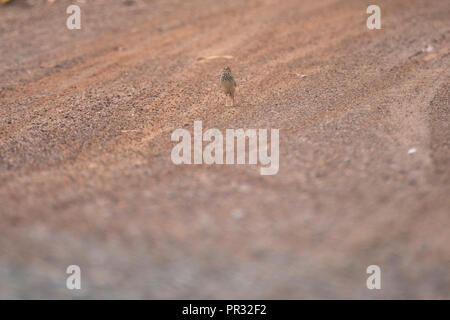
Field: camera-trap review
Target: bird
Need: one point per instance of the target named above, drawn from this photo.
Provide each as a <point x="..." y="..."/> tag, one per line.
<point x="228" y="85"/>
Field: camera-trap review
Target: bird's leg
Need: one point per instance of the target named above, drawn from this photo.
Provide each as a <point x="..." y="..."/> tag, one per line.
<point x="232" y="100"/>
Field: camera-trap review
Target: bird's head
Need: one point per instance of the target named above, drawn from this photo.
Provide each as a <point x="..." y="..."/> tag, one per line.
<point x="227" y="69"/>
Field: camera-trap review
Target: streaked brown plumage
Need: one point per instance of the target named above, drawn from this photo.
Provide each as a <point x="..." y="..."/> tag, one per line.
<point x="228" y="84"/>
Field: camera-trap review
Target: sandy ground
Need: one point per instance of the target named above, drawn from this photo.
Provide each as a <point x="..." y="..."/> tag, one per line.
<point x="86" y="176"/>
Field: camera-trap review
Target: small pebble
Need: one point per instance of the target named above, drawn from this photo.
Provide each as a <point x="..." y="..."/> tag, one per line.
<point x="429" y="48"/>
<point x="237" y="214"/>
<point x="412" y="150"/>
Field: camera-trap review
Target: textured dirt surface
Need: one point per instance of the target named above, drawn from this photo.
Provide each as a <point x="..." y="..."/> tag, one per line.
<point x="86" y="176"/>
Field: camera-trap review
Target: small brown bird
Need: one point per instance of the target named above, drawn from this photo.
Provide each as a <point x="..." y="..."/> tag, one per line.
<point x="228" y="85"/>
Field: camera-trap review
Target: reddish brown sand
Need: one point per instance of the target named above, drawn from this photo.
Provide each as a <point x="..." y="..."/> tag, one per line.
<point x="85" y="170"/>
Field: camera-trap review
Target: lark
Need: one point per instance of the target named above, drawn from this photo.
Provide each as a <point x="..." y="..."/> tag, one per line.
<point x="228" y="85"/>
